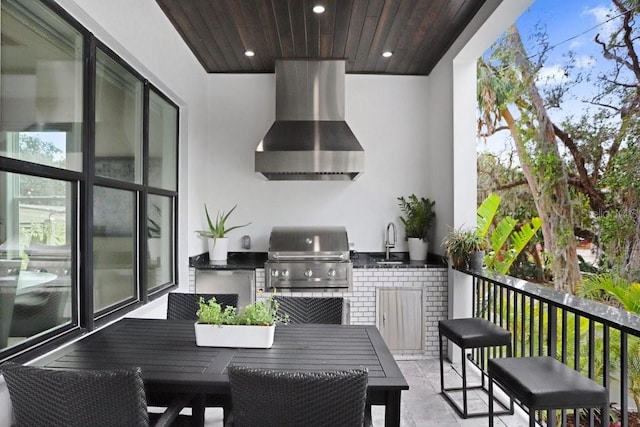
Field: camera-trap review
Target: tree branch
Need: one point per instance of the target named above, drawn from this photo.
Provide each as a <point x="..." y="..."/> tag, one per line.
<point x="595" y="198"/>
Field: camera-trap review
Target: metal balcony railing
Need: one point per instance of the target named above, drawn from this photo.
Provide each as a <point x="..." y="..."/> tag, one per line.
<point x="601" y="341"/>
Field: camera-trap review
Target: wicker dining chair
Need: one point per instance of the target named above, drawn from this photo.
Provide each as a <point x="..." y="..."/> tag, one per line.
<point x="50" y="397"/>
<point x="264" y="398"/>
<point x="183" y="306"/>
<point x="311" y="309"/>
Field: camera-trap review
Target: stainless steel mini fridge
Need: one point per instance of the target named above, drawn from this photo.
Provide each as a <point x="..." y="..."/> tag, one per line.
<point x="241" y="282"/>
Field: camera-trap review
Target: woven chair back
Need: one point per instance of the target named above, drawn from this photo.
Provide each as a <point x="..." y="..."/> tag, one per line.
<point x="49" y="397"/>
<point x="263" y="398"/>
<point x="183" y="306"/>
<point x="311" y="309"/>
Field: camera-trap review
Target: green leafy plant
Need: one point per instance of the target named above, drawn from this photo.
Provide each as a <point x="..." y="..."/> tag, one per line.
<point x="613" y="289"/>
<point x="260" y="313"/>
<point x="211" y="313"/>
<point x="460" y="242"/>
<point x="507" y="238"/>
<point x="218" y="228"/>
<point x="418" y="216"/>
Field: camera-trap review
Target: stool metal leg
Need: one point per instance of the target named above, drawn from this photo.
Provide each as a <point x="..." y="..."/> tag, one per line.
<point x="462" y="408"/>
<point x="491" y="400"/>
<point x="441" y="367"/>
<point x="464" y="383"/>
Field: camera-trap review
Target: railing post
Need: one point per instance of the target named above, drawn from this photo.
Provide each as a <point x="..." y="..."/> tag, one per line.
<point x="552" y="346"/>
<point x="624" y="381"/>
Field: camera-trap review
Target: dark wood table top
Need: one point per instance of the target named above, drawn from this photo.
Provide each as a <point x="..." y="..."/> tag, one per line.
<point x="166" y="351"/>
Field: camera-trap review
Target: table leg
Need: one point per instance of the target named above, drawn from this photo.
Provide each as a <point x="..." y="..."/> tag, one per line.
<point x="197" y="411"/>
<point x="392" y="409"/>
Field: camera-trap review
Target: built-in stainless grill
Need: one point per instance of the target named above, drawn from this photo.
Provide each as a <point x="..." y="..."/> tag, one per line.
<point x="309" y="258"/>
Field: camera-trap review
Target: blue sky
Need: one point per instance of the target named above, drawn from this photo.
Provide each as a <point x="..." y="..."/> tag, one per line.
<point x="571" y="25"/>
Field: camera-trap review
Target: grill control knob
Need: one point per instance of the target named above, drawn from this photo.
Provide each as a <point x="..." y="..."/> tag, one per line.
<point x="274" y="273"/>
<point x="308" y="273"/>
<point x="331" y="273"/>
<point x="285" y="273"/>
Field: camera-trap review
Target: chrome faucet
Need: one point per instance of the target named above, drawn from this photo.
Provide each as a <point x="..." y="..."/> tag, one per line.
<point x="388" y="244"/>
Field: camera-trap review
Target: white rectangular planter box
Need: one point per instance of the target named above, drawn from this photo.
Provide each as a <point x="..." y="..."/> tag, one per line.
<point x="234" y="336"/>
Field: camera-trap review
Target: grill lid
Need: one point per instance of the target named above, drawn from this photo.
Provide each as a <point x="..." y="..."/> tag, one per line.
<point x="309" y="243"/>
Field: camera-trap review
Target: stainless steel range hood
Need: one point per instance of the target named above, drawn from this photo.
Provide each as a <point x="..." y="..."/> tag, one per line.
<point x="310" y="139"/>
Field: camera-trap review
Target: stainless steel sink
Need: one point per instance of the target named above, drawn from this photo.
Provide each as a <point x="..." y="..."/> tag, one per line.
<point x="391" y="260"/>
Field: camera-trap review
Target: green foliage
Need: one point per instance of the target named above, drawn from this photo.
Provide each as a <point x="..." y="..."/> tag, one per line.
<point x="419" y="216"/>
<point x="610" y="287"/>
<point x="614" y="229"/>
<point x="459" y="243"/>
<point x="597" y="146"/>
<point x="260" y="313"/>
<point x="613" y="289"/>
<point x="211" y="313"/>
<point x="34" y="149"/>
<point x="507" y="240"/>
<point x="218" y="228"/>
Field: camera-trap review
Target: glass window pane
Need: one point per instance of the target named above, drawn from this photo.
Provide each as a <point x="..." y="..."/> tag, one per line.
<point x="163" y="143"/>
<point x="118" y="121"/>
<point x="159" y="241"/>
<point x="114" y="225"/>
<point x="36" y="226"/>
<point x="40" y="87"/>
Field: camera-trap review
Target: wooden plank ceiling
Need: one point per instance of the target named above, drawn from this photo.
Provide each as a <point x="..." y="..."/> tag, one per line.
<point x="418" y="32"/>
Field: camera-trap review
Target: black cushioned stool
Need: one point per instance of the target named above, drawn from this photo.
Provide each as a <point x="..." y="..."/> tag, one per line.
<point x="471" y="333"/>
<point x="545" y="383"/>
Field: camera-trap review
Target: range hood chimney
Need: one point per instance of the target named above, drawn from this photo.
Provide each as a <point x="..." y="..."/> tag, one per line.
<point x="310" y="139"/>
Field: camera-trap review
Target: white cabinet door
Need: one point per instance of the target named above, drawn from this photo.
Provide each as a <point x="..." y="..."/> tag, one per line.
<point x="400" y="319"/>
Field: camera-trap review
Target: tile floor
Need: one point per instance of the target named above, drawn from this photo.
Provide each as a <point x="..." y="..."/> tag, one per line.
<point x="422" y="404"/>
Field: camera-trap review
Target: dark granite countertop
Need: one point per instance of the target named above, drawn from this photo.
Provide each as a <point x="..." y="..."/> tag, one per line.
<point x="235" y="261"/>
<point x="253" y="260"/>
<point x="399" y="260"/>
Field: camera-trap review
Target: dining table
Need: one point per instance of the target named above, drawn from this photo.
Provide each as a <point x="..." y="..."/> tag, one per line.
<point x="172" y="363"/>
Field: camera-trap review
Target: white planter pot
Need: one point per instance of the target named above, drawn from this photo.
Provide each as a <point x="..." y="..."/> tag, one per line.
<point x="234" y="336"/>
<point x="218" y="249"/>
<point x="418" y="249"/>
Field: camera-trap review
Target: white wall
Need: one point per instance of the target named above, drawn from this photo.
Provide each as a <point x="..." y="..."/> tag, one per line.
<point x="453" y="119"/>
<point x="387" y="115"/>
<point x="405" y="124"/>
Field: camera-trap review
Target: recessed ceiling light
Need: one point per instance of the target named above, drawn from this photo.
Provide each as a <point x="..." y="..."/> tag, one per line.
<point x="249" y="53"/>
<point x="387" y="54"/>
<point x="318" y="8"/>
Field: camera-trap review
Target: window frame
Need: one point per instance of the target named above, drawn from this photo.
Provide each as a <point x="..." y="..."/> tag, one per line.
<point x="82" y="184"/>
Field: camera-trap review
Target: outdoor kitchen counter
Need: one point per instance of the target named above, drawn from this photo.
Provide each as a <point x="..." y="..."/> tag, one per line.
<point x="371" y="260"/>
<point x="235" y="261"/>
<point x="254" y="260"/>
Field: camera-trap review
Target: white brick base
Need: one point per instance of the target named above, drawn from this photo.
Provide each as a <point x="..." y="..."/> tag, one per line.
<point x="362" y="301"/>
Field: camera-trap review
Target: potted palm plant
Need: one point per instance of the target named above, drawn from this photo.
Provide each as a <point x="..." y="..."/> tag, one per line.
<point x="217" y="234"/>
<point x="465" y="247"/>
<point x="417" y="220"/>
<point x="253" y="328"/>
